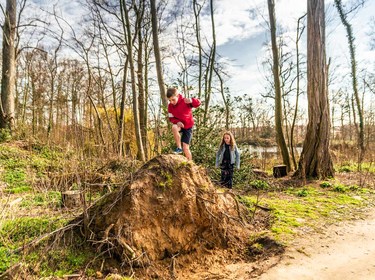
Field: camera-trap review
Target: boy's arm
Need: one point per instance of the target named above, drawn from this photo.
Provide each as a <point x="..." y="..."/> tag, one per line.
<point x="172" y="119"/>
<point x="195" y="102"/>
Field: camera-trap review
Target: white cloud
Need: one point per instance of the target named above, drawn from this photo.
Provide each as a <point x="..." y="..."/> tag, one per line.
<point x="234" y="20"/>
<point x="287" y="14"/>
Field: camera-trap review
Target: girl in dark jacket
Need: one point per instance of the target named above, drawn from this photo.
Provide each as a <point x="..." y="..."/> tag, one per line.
<point x="227" y="157"/>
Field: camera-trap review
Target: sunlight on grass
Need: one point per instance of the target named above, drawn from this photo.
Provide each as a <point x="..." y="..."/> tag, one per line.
<point x="307" y="207"/>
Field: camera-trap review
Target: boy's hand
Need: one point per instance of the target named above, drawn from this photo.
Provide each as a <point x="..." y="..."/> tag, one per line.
<point x="188" y="100"/>
<point x="180" y="124"/>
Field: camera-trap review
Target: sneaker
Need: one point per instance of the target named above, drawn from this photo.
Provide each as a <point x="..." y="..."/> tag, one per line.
<point x="177" y="151"/>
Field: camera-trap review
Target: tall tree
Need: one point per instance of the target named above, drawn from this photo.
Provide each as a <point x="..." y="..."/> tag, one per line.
<point x="159" y="69"/>
<point x="315" y="160"/>
<point x="298" y="78"/>
<point x="276" y="76"/>
<point x="197" y="10"/>
<point x="8" y="82"/>
<point x="129" y="45"/>
<point x="350" y="36"/>
<point x="210" y="66"/>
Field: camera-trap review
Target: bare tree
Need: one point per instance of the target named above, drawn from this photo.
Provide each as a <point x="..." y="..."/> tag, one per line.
<point x="315" y="160"/>
<point x="197" y="10"/>
<point x="8" y="81"/>
<point x="129" y="45"/>
<point x="298" y="91"/>
<point x="159" y="69"/>
<point x="276" y="76"/>
<point x="210" y="66"/>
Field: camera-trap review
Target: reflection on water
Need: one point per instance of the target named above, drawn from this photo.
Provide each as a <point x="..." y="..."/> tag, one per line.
<point x="264" y="152"/>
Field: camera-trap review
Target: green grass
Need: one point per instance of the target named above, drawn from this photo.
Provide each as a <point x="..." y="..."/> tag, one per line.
<point x="17" y="232"/>
<point x="353" y="167"/>
<point x="22" y="167"/>
<point x="64" y="261"/>
<point x="46" y="199"/>
<point x="307" y="206"/>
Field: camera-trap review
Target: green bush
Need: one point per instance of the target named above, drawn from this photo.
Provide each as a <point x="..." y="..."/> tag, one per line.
<point x="325" y="185"/>
<point x="6" y="259"/>
<point x="340" y="188"/>
<point x="302" y="193"/>
<point x="259" y="185"/>
<point x="5" y="135"/>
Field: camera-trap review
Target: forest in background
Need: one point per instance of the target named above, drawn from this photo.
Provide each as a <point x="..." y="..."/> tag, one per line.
<point x="99" y="88"/>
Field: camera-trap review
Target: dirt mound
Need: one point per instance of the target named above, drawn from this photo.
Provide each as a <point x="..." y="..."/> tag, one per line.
<point x="170" y="210"/>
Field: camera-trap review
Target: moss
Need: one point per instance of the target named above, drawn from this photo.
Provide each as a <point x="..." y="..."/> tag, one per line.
<point x="65" y="261"/>
<point x="167" y="180"/>
<point x="7" y="259"/>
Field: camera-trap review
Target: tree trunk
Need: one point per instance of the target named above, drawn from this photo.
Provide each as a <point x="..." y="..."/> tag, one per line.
<point x="129" y="45"/>
<point x="315" y="159"/>
<point x="159" y="69"/>
<point x="122" y="111"/>
<point x="210" y="66"/>
<point x="140" y="79"/>
<point x="197" y="9"/>
<point x="298" y="37"/>
<point x="8" y="82"/>
<point x="276" y="76"/>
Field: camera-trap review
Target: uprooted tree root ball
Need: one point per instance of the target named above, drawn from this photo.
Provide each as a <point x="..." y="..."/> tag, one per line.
<point x="170" y="210"/>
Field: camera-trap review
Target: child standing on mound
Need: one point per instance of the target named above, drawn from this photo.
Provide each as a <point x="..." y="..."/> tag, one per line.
<point x="227" y="157"/>
<point x="180" y="114"/>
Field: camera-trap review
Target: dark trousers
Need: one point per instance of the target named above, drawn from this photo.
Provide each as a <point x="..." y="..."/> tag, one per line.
<point x="227" y="175"/>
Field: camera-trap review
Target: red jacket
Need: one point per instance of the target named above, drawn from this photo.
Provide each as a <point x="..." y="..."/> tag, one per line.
<point x="181" y="112"/>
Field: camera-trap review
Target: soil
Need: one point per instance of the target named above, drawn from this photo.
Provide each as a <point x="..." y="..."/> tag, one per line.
<point x="171" y="219"/>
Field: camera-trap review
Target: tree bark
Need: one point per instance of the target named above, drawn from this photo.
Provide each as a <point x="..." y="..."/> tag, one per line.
<point x="159" y="69"/>
<point x="129" y="45"/>
<point x="298" y="37"/>
<point x="140" y="78"/>
<point x="210" y="66"/>
<point x="8" y="82"/>
<point x="197" y="9"/>
<point x="122" y="111"/>
<point x="315" y="159"/>
<point x="276" y="76"/>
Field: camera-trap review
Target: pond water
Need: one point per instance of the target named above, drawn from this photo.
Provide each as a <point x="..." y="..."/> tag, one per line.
<point x="263" y="152"/>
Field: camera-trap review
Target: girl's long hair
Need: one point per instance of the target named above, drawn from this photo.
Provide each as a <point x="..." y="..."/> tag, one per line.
<point x="232" y="142"/>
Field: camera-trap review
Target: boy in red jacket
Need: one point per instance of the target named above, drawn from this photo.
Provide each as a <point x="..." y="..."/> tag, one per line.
<point x="180" y="114"/>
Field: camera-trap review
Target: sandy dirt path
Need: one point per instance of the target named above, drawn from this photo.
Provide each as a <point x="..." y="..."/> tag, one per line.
<point x="345" y="251"/>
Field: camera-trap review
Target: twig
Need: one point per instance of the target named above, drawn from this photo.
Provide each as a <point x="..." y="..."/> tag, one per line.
<point x="211" y="201"/>
<point x="172" y="267"/>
